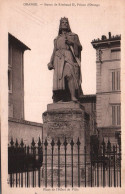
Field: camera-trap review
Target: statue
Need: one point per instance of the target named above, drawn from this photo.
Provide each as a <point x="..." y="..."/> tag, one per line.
<point x="66" y="62"/>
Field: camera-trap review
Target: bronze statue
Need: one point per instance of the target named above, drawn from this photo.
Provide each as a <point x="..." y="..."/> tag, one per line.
<point x="66" y="62"/>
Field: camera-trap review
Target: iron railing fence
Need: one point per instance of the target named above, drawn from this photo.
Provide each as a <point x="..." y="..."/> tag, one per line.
<point x="64" y="164"/>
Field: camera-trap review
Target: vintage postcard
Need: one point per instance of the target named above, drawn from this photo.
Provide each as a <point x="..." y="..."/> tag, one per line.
<point x="62" y="96"/>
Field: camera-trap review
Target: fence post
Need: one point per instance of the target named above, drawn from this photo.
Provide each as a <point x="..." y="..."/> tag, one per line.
<point x="114" y="166"/>
<point x="46" y="144"/>
<point x="85" y="163"/>
<point x="109" y="153"/>
<point x="98" y="167"/>
<point x="27" y="166"/>
<point x="39" y="158"/>
<point x="52" y="144"/>
<point x="12" y="152"/>
<point x="58" y="144"/>
<point x="16" y="159"/>
<point x="103" y="144"/>
<point x="33" y="149"/>
<point x="65" y="147"/>
<point x="22" y="147"/>
<point x="78" y="144"/>
<point x="101" y="156"/>
<point x="91" y="153"/>
<point x="120" y="161"/>
<point x="72" y="144"/>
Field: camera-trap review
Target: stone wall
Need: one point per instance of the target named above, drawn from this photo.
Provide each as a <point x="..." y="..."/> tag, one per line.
<point x="26" y="130"/>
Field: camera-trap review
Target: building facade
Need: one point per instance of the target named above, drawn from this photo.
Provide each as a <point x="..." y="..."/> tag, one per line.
<point x="108" y="89"/>
<point x="16" y="77"/>
<point x="19" y="128"/>
<point x="89" y="102"/>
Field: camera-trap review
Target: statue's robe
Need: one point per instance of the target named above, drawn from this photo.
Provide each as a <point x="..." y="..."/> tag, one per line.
<point x="64" y="63"/>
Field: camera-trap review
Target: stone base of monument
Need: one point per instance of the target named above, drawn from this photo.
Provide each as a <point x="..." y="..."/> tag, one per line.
<point x="66" y="119"/>
<point x="64" y="162"/>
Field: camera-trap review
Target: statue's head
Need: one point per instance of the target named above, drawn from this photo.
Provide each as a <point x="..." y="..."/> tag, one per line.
<point x="64" y="25"/>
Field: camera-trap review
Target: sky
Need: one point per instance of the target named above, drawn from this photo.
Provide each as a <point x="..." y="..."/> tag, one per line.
<point x="37" y="26"/>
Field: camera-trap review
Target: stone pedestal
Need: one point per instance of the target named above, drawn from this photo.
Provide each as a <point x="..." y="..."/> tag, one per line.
<point x="65" y="120"/>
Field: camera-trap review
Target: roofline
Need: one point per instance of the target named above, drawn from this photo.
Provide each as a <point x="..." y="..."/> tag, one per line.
<point x="108" y="44"/>
<point x="21" y="44"/>
<point x="25" y="122"/>
<point x="104" y="41"/>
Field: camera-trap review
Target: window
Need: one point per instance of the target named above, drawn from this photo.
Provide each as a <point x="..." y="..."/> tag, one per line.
<point x="116" y="114"/>
<point x="93" y="106"/>
<point x="115" y="80"/>
<point x="10" y="80"/>
<point x="10" y="110"/>
<point x="10" y="55"/>
<point x="10" y="69"/>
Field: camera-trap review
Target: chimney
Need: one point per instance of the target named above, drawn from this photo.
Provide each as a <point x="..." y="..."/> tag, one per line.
<point x="103" y="37"/>
<point x="109" y="35"/>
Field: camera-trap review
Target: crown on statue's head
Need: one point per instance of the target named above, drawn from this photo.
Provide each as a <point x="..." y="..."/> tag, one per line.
<point x="64" y="19"/>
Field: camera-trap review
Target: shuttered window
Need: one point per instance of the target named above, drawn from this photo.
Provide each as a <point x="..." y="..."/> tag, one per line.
<point x="116" y="114"/>
<point x="115" y="80"/>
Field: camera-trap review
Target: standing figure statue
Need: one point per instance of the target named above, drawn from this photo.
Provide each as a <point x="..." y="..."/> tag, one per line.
<point x="66" y="62"/>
